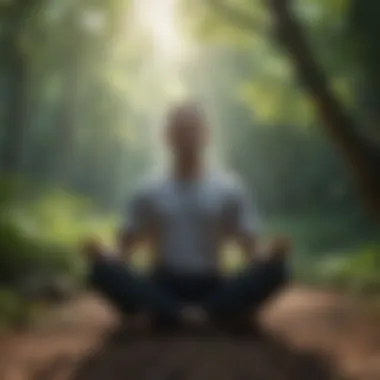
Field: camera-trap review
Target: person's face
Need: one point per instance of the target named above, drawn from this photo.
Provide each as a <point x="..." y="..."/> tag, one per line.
<point x="187" y="134"/>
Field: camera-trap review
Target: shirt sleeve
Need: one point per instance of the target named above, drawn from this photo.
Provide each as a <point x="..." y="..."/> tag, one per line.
<point x="244" y="214"/>
<point x="138" y="214"/>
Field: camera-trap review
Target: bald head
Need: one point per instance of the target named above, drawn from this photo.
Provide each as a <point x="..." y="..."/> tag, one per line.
<point x="187" y="131"/>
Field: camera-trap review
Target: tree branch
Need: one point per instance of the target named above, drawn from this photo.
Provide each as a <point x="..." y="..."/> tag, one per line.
<point x="363" y="156"/>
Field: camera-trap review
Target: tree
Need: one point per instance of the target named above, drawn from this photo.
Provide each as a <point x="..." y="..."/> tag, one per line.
<point x="361" y="154"/>
<point x="15" y="15"/>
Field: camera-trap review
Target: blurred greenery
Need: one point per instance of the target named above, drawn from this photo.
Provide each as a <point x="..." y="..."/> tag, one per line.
<point x="85" y="85"/>
<point x="42" y="237"/>
<point x="40" y="240"/>
<point x="356" y="272"/>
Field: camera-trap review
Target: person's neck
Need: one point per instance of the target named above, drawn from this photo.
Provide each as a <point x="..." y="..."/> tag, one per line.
<point x="188" y="170"/>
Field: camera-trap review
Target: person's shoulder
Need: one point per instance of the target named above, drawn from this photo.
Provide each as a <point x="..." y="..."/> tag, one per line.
<point x="228" y="181"/>
<point x="150" y="185"/>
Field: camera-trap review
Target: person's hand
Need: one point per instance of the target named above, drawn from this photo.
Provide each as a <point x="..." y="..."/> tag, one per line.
<point x="93" y="248"/>
<point x="279" y="248"/>
<point x="275" y="249"/>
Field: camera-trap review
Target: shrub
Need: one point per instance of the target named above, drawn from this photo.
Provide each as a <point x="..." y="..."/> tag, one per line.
<point x="358" y="271"/>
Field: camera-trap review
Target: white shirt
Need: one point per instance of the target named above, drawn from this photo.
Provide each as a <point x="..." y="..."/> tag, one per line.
<point x="189" y="218"/>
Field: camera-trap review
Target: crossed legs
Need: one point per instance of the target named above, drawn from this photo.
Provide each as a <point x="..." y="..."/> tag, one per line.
<point x="166" y="295"/>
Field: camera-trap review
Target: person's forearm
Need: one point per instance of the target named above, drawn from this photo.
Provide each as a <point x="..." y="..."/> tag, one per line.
<point x="126" y="244"/>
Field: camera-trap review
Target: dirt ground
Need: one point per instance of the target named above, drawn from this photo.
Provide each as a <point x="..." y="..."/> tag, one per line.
<point x="311" y="335"/>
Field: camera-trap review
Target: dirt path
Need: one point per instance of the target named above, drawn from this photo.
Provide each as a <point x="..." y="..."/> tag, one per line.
<point x="311" y="335"/>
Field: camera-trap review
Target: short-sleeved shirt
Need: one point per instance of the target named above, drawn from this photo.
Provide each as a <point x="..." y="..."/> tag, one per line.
<point x="190" y="218"/>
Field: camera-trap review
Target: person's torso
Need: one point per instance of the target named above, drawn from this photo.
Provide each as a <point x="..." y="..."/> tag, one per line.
<point x="188" y="220"/>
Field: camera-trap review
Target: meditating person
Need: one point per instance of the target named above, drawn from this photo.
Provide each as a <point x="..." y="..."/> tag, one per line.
<point x="186" y="216"/>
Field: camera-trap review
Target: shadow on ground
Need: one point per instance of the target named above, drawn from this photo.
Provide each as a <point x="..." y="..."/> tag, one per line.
<point x="183" y="356"/>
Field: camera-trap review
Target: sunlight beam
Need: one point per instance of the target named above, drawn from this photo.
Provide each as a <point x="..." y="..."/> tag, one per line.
<point x="159" y="19"/>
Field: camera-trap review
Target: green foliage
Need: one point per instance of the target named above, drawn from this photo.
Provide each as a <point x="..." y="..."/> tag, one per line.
<point x="40" y="239"/>
<point x="338" y="250"/>
<point x="95" y="95"/>
<point x="354" y="271"/>
<point x="317" y="233"/>
<point x="9" y="304"/>
<point x="359" y="272"/>
<point x="15" y="312"/>
<point x="95" y="86"/>
<point x="44" y="234"/>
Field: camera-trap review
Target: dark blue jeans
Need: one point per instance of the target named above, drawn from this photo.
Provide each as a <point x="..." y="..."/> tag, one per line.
<point x="164" y="294"/>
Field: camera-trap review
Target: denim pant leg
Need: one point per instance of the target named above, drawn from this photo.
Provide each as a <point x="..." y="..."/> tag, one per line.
<point x="129" y="292"/>
<point x="249" y="289"/>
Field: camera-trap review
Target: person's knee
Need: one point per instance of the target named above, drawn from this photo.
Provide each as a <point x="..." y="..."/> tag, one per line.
<point x="280" y="253"/>
<point x="272" y="271"/>
<point x="105" y="271"/>
<point x="279" y="249"/>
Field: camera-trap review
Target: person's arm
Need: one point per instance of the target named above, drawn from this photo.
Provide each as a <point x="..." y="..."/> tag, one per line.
<point x="246" y="224"/>
<point x="248" y="246"/>
<point x="136" y="226"/>
<point x="128" y="240"/>
<point x="247" y="230"/>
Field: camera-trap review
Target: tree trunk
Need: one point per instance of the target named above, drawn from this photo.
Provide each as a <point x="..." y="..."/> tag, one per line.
<point x="15" y="118"/>
<point x="65" y="130"/>
<point x="363" y="156"/>
<point x="67" y="119"/>
<point x="15" y="68"/>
